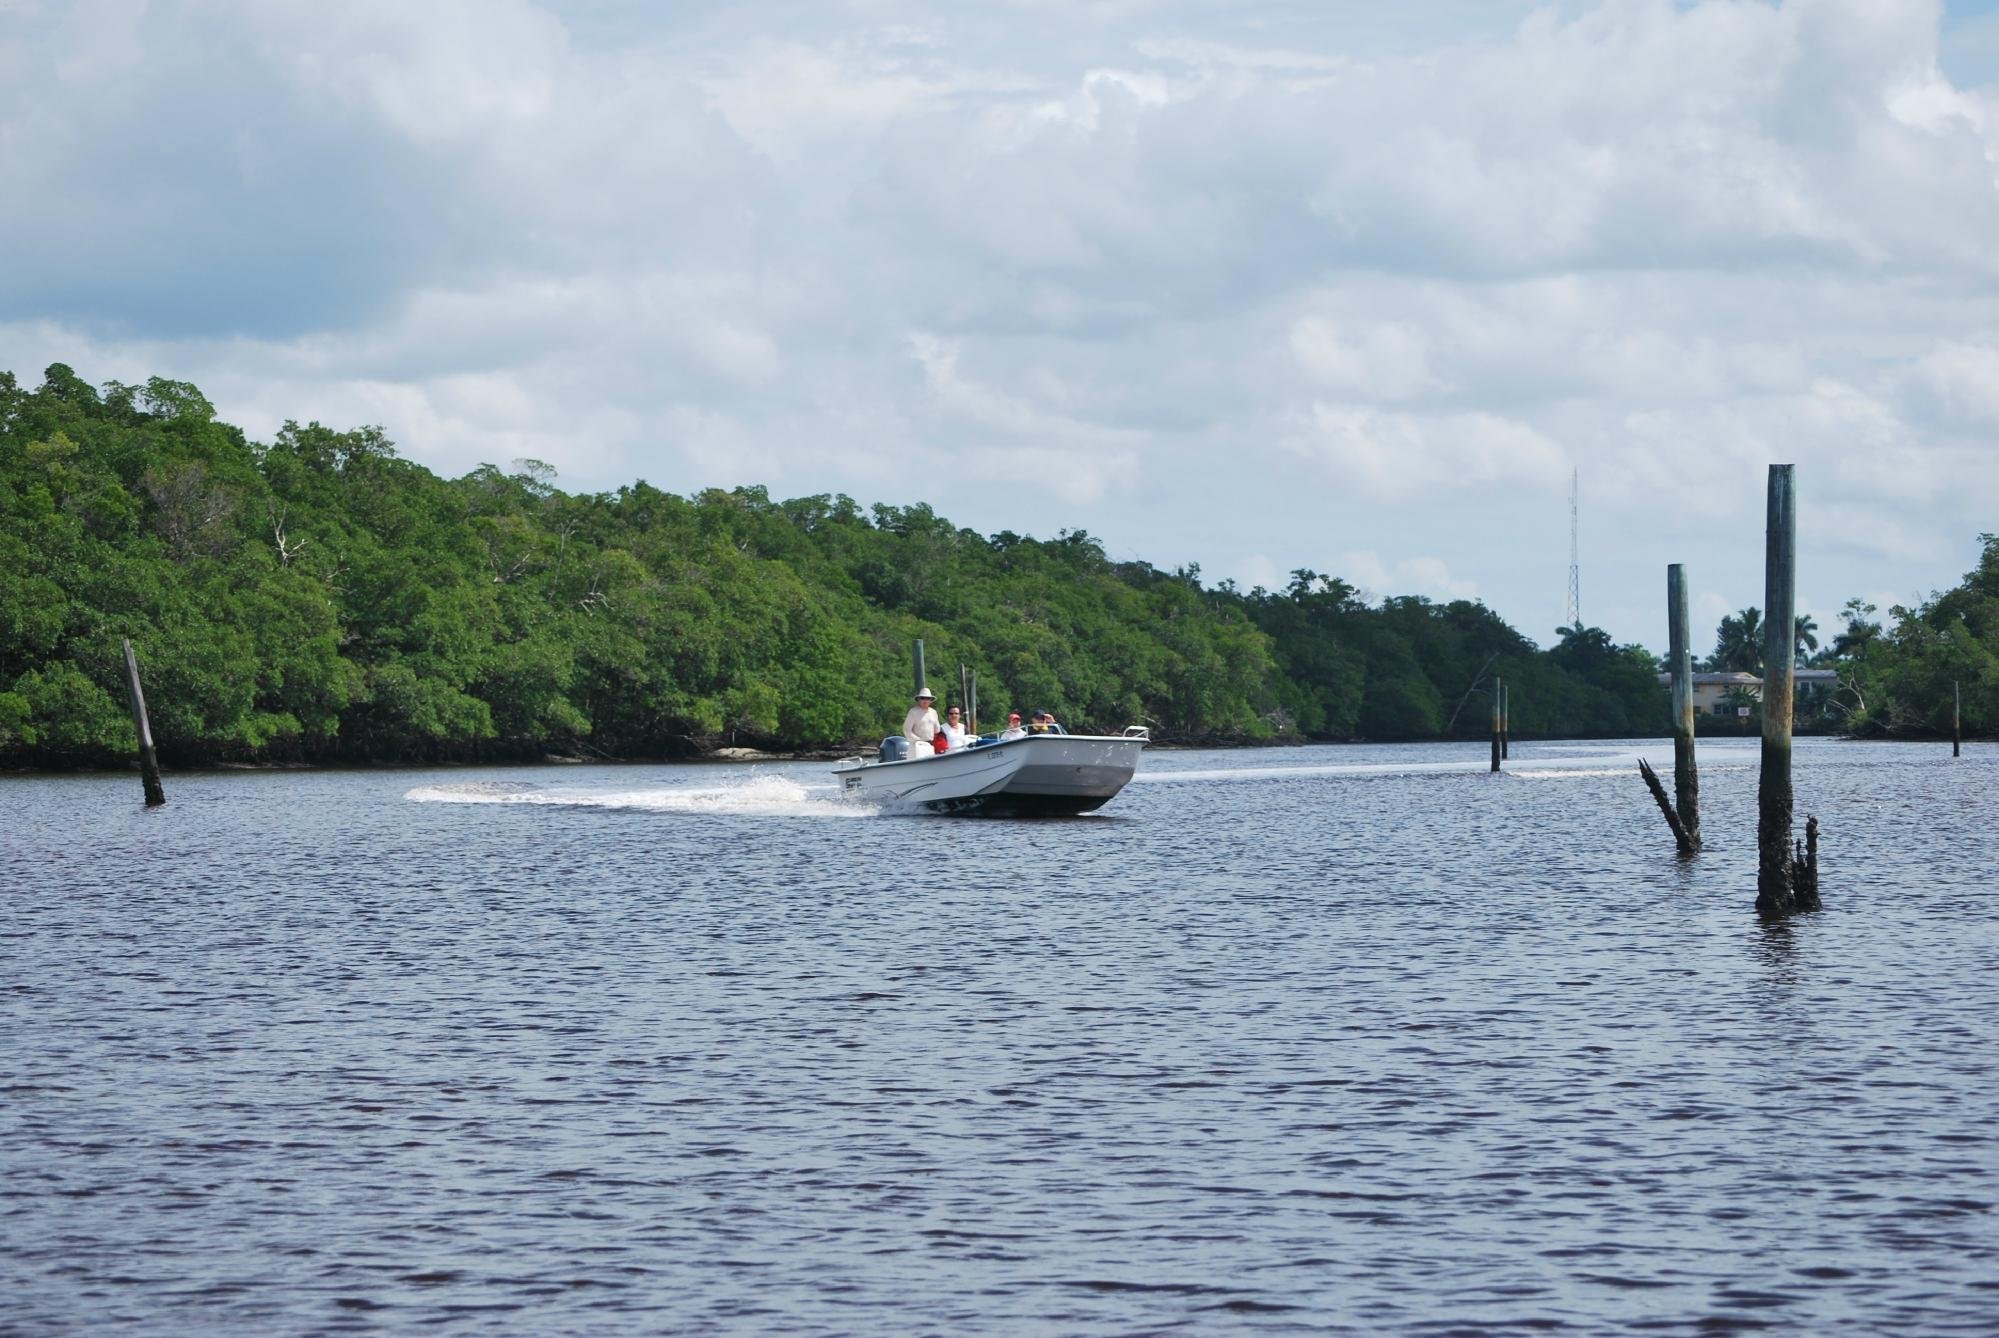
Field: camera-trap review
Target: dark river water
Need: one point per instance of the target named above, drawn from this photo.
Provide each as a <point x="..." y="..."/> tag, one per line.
<point x="1321" y="1040"/>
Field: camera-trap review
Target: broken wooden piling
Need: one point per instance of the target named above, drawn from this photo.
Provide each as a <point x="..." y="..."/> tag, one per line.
<point x="1775" y="882"/>
<point x="1680" y="663"/>
<point x="1681" y="837"/>
<point x="149" y="762"/>
<point x="1805" y="868"/>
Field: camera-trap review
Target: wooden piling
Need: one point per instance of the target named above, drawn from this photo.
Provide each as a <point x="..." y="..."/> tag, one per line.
<point x="1681" y="837"/>
<point x="1505" y="721"/>
<point x="1680" y="663"/>
<point x="149" y="763"/>
<point x="1956" y="720"/>
<point x="1805" y="868"/>
<point x="1775" y="890"/>
<point x="922" y="679"/>
<point x="1498" y="688"/>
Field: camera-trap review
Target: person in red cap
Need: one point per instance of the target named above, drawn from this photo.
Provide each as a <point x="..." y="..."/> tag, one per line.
<point x="1013" y="729"/>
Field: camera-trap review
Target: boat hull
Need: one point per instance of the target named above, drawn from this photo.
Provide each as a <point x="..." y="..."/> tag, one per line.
<point x="1040" y="775"/>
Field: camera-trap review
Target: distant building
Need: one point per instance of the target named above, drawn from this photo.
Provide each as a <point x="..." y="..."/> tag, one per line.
<point x="1711" y="690"/>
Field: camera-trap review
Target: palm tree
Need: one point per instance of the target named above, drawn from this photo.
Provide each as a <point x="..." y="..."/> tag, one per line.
<point x="1808" y="636"/>
<point x="1738" y="642"/>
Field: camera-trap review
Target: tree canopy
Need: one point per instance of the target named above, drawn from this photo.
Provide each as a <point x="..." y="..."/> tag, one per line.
<point x="320" y="597"/>
<point x="1898" y="680"/>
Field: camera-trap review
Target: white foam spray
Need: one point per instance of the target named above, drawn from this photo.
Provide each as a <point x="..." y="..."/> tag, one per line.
<point x="755" y="796"/>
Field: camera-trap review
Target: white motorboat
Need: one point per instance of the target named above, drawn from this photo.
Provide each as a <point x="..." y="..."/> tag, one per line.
<point x="1038" y="774"/>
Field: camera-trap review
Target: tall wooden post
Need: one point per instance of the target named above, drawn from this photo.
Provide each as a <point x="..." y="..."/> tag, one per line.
<point x="1956" y="720"/>
<point x="149" y="764"/>
<point x="1774" y="885"/>
<point x="1498" y="688"/>
<point x="922" y="680"/>
<point x="1680" y="663"/>
<point x="1505" y="722"/>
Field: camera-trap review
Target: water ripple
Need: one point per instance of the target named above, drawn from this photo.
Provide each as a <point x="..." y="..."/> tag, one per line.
<point x="1328" y="1040"/>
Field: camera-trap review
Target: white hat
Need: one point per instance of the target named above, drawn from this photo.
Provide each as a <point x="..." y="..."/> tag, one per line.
<point x="921" y="693"/>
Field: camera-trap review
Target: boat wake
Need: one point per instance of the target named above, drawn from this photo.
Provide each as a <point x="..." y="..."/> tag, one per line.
<point x="1576" y="762"/>
<point x="756" y="796"/>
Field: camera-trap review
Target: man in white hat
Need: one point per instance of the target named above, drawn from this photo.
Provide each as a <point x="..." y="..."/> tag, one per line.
<point x="920" y="725"/>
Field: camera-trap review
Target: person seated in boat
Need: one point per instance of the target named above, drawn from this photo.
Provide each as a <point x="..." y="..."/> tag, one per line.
<point x="1013" y="729"/>
<point x="920" y="725"/>
<point x="1044" y="723"/>
<point x="954" y="728"/>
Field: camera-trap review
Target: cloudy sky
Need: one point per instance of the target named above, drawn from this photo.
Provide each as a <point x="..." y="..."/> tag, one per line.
<point x="1325" y="283"/>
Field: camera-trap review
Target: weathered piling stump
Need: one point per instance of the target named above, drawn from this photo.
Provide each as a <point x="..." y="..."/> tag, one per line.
<point x="1688" y="845"/>
<point x="1680" y="663"/>
<point x="1805" y="869"/>
<point x="1775" y="865"/>
<point x="149" y="762"/>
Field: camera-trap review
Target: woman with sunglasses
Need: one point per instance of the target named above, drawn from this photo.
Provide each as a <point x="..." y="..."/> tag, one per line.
<point x="954" y="728"/>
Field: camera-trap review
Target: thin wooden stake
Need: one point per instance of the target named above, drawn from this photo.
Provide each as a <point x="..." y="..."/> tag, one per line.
<point x="1687" y="844"/>
<point x="1505" y="721"/>
<point x="149" y="763"/>
<point x="1498" y="688"/>
<point x="1680" y="661"/>
<point x="1775" y="892"/>
<point x="1956" y="720"/>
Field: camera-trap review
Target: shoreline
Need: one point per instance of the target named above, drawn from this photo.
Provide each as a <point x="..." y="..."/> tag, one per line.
<point x="736" y="756"/>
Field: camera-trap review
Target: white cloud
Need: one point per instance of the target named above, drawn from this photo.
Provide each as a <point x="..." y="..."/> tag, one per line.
<point x="1228" y="285"/>
<point x="1399" y="455"/>
<point x="1388" y="362"/>
<point x="1430" y="576"/>
<point x="1962" y="380"/>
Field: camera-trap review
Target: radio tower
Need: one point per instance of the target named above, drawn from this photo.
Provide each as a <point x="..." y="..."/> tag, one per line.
<point x="1575" y="563"/>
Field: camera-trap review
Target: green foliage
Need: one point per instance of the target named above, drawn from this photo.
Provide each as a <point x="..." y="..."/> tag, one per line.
<point x="1738" y="643"/>
<point x="320" y="597"/>
<point x="1901" y="681"/>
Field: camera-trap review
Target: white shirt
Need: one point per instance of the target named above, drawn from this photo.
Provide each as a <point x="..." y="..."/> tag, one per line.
<point x="920" y="725"/>
<point x="1012" y="732"/>
<point x="956" y="733"/>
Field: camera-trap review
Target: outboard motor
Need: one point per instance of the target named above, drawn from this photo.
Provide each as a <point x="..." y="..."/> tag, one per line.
<point x="894" y="748"/>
